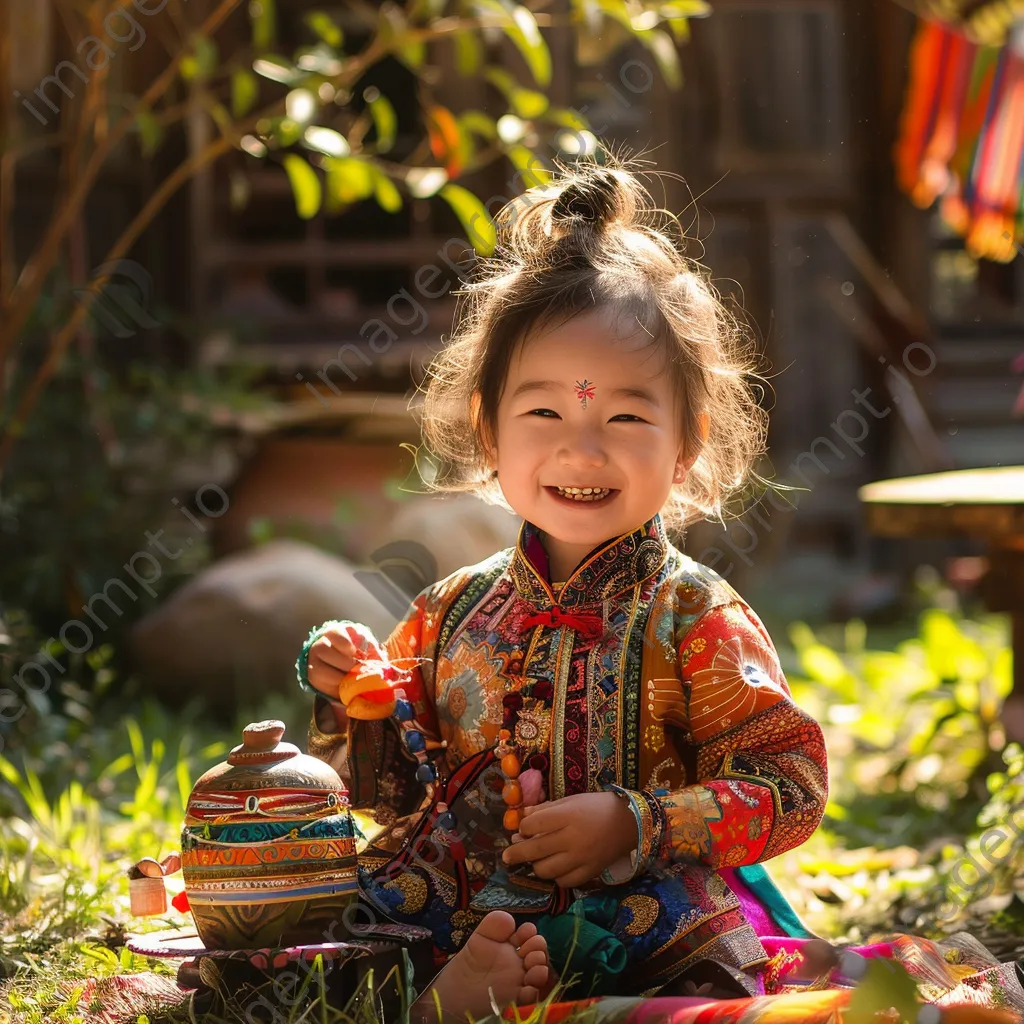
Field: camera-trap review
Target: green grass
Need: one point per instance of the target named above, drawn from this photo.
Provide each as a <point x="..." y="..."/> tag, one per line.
<point x="917" y="766"/>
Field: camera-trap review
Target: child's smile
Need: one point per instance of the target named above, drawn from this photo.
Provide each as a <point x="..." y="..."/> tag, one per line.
<point x="585" y="497"/>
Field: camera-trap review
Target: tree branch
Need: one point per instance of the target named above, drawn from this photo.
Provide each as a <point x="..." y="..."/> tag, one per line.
<point x="354" y="69"/>
<point x="32" y="278"/>
<point x="67" y="332"/>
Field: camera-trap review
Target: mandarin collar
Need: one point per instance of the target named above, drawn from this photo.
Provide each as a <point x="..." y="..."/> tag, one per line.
<point x="610" y="569"/>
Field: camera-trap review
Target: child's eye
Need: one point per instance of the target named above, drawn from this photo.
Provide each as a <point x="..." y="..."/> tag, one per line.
<point x="553" y="413"/>
<point x="628" y="415"/>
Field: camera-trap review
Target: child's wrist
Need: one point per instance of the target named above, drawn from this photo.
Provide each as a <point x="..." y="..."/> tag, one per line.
<point x="302" y="661"/>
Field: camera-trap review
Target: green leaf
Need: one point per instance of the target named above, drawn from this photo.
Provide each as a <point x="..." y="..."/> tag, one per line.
<point x="264" y="23"/>
<point x="680" y="29"/>
<point x="618" y="10"/>
<point x="100" y="953"/>
<point x="387" y="195"/>
<point x="220" y="114"/>
<point x="479" y="123"/>
<point x="150" y="131"/>
<point x="469" y="53"/>
<point x="138" y="747"/>
<point x="393" y="35"/>
<point x="526" y="35"/>
<point x="520" y="26"/>
<point x="244" y="92"/>
<point x="567" y="119"/>
<point x="305" y="185"/>
<point x="117" y="766"/>
<point x="348" y="180"/>
<point x="277" y="69"/>
<point x="201" y="61"/>
<point x="424" y="182"/>
<point x="801" y="635"/>
<point x="301" y="106"/>
<point x="525" y="103"/>
<point x="529" y="165"/>
<point x="473" y="215"/>
<point x="663" y="47"/>
<point x="326" y="140"/>
<point x="206" y="55"/>
<point x="184" y="781"/>
<point x="685" y="9"/>
<point x="823" y="664"/>
<point x="426" y="10"/>
<point x="325" y="27"/>
<point x="286" y="131"/>
<point x="319" y="59"/>
<point x="855" y="635"/>
<point x="413" y="52"/>
<point x="385" y="120"/>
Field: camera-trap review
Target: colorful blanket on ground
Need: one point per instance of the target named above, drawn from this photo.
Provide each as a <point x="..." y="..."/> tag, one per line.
<point x="954" y="981"/>
<point x="957" y="981"/>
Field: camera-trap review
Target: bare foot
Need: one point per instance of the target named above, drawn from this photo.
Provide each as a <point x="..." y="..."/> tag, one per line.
<point x="498" y="958"/>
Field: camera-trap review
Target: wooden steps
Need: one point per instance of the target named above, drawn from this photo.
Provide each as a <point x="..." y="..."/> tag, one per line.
<point x="971" y="394"/>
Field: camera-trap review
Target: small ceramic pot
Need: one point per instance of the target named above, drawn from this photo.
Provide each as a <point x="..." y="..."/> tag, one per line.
<point x="268" y="850"/>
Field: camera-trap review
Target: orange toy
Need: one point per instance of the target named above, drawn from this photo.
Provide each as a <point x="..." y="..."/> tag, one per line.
<point x="365" y="690"/>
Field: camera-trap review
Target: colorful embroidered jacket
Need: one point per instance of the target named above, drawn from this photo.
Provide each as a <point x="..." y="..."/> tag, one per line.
<point x="648" y="674"/>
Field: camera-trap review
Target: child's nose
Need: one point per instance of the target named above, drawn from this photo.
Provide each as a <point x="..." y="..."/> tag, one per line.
<point x="583" y="447"/>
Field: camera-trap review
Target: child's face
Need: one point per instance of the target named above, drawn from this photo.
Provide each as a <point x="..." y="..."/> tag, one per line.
<point x="546" y="438"/>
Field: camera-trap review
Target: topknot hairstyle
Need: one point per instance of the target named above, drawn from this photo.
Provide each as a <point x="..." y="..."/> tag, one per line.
<point x="594" y="239"/>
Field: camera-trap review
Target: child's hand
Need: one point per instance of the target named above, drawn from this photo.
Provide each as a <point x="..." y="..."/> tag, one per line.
<point x="334" y="654"/>
<point x="574" y="839"/>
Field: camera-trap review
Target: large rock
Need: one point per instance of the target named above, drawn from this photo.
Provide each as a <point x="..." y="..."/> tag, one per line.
<point x="443" y="534"/>
<point x="233" y="632"/>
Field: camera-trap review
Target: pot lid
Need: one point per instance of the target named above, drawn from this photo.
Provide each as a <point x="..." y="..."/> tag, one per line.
<point x="265" y="779"/>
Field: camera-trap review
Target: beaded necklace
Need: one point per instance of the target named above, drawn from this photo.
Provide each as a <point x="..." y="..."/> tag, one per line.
<point x="366" y="698"/>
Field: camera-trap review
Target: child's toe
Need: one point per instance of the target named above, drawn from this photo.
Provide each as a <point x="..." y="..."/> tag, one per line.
<point x="536" y="977"/>
<point x="534" y="944"/>
<point x="528" y="996"/>
<point x="498" y="926"/>
<point x="523" y="934"/>
<point x="538" y="958"/>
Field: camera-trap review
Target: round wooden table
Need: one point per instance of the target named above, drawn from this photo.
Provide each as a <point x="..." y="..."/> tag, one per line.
<point x="983" y="504"/>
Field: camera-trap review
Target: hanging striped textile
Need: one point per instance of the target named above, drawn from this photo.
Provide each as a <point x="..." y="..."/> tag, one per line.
<point x="961" y="137"/>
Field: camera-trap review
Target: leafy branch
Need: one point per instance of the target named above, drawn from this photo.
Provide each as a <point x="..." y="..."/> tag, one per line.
<point x="333" y="155"/>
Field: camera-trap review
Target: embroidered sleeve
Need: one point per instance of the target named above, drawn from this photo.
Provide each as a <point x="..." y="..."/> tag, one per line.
<point x="370" y="756"/>
<point x="760" y="759"/>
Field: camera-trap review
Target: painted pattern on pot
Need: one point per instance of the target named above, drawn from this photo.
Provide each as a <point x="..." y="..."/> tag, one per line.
<point x="268" y="848"/>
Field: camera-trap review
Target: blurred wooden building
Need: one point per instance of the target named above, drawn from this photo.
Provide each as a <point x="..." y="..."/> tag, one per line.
<point x="783" y="132"/>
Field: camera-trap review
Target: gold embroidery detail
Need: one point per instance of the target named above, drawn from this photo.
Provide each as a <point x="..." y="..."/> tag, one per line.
<point x="654" y="737"/>
<point x="645" y="914"/>
<point x="413" y="888"/>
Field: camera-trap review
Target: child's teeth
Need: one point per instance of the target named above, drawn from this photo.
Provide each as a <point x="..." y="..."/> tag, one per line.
<point x="584" y="493"/>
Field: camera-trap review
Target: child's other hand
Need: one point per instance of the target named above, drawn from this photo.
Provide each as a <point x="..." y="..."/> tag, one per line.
<point x="333" y="655"/>
<point x="574" y="839"/>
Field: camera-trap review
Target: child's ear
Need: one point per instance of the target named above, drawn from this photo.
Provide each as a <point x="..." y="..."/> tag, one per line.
<point x="691" y="449"/>
<point x="683" y="465"/>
